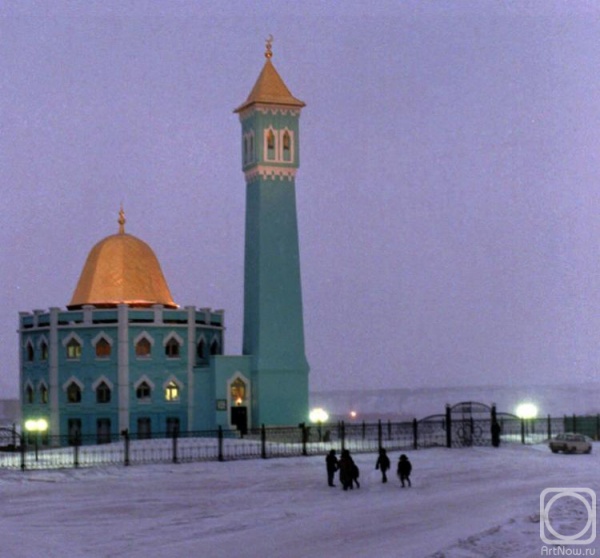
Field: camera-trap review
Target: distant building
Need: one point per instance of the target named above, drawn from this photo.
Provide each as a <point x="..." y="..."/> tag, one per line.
<point x="124" y="355"/>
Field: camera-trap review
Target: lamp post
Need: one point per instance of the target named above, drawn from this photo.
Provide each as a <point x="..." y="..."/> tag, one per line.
<point x="36" y="426"/>
<point x="527" y="412"/>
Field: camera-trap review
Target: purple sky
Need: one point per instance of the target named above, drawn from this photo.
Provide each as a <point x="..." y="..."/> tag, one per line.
<point x="448" y="193"/>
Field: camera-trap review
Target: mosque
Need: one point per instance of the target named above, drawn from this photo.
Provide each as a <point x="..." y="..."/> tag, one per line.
<point x="124" y="356"/>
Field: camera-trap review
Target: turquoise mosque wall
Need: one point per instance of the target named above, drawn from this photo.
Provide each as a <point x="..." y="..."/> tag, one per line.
<point x="267" y="384"/>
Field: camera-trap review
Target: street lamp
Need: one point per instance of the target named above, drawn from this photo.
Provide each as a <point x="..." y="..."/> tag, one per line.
<point x="527" y="411"/>
<point x="36" y="426"/>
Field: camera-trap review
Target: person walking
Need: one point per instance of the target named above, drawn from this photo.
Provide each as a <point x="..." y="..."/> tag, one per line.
<point x="332" y="466"/>
<point x="404" y="470"/>
<point x="347" y="470"/>
<point x="383" y="464"/>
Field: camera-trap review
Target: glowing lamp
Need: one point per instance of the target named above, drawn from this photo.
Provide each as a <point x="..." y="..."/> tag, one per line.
<point x="353" y="414"/>
<point x="318" y="415"/>
<point x="527" y="411"/>
<point x="39" y="425"/>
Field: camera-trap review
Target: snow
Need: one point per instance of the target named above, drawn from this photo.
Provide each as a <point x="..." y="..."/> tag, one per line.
<point x="475" y="502"/>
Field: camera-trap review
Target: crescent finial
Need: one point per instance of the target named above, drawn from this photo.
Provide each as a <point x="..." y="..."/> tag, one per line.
<point x="269" y="52"/>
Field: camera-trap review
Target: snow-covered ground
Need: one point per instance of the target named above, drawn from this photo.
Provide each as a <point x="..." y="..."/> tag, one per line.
<point x="477" y="502"/>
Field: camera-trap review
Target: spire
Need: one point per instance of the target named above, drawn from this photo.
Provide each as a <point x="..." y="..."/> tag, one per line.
<point x="121" y="220"/>
<point x="269" y="88"/>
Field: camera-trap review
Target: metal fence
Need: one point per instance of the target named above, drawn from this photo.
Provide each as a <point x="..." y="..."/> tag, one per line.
<point x="51" y="452"/>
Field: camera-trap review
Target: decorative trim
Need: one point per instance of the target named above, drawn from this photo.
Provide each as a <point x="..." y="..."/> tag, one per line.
<point x="263" y="171"/>
<point x="97" y="338"/>
<point x="100" y="380"/>
<point x="173" y="379"/>
<point x="143" y="379"/>
<point x="73" y="380"/>
<point x="172" y="335"/>
<point x="41" y="340"/>
<point x="140" y="336"/>
<point x="267" y="109"/>
<point x="70" y="338"/>
<point x="277" y="110"/>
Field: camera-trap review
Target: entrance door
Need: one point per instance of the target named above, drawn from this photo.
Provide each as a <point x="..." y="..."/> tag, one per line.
<point x="239" y="418"/>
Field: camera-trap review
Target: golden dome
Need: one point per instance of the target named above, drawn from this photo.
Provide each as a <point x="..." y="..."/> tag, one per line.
<point x="121" y="269"/>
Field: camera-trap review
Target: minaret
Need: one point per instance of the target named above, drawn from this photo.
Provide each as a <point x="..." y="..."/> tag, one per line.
<point x="273" y="322"/>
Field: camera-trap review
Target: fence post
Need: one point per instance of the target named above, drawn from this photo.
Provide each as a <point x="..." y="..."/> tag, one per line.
<point x="343" y="434"/>
<point x="125" y="434"/>
<point x="522" y="430"/>
<point x="22" y="439"/>
<point x="389" y="430"/>
<point x="305" y="432"/>
<point x="415" y="434"/>
<point x="379" y="435"/>
<point x="220" y="443"/>
<point x="263" y="442"/>
<point x="549" y="427"/>
<point x="448" y="427"/>
<point x="175" y="434"/>
<point x="76" y="449"/>
<point x="364" y="430"/>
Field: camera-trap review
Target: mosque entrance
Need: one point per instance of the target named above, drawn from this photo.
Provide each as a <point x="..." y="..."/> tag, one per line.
<point x="239" y="418"/>
<point x="238" y="396"/>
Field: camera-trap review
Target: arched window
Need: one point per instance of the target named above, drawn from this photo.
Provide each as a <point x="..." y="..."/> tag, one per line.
<point x="73" y="393"/>
<point x="143" y="348"/>
<point x="172" y="348"/>
<point x="73" y="349"/>
<point x="43" y="394"/>
<point x="103" y="348"/>
<point x="238" y="391"/>
<point x="172" y="391"/>
<point x="287" y="146"/>
<point x="215" y="347"/>
<point x="271" y="151"/>
<point x="44" y="351"/>
<point x="29" y="394"/>
<point x="143" y="391"/>
<point x="103" y="393"/>
<point x="201" y="349"/>
<point x="30" y="352"/>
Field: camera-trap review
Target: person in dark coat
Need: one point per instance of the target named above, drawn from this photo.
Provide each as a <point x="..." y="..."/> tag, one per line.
<point x="332" y="466"/>
<point x="355" y="474"/>
<point x="404" y="470"/>
<point x="347" y="470"/>
<point x="383" y="464"/>
<point x="496" y="431"/>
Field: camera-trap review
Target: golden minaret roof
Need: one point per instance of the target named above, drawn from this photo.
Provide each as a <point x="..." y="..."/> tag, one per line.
<point x="269" y="88"/>
<point x="121" y="269"/>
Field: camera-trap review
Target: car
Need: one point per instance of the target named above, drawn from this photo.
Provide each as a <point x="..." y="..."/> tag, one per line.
<point x="570" y="442"/>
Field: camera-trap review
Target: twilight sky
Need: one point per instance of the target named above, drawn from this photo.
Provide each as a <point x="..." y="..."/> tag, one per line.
<point x="448" y="194"/>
